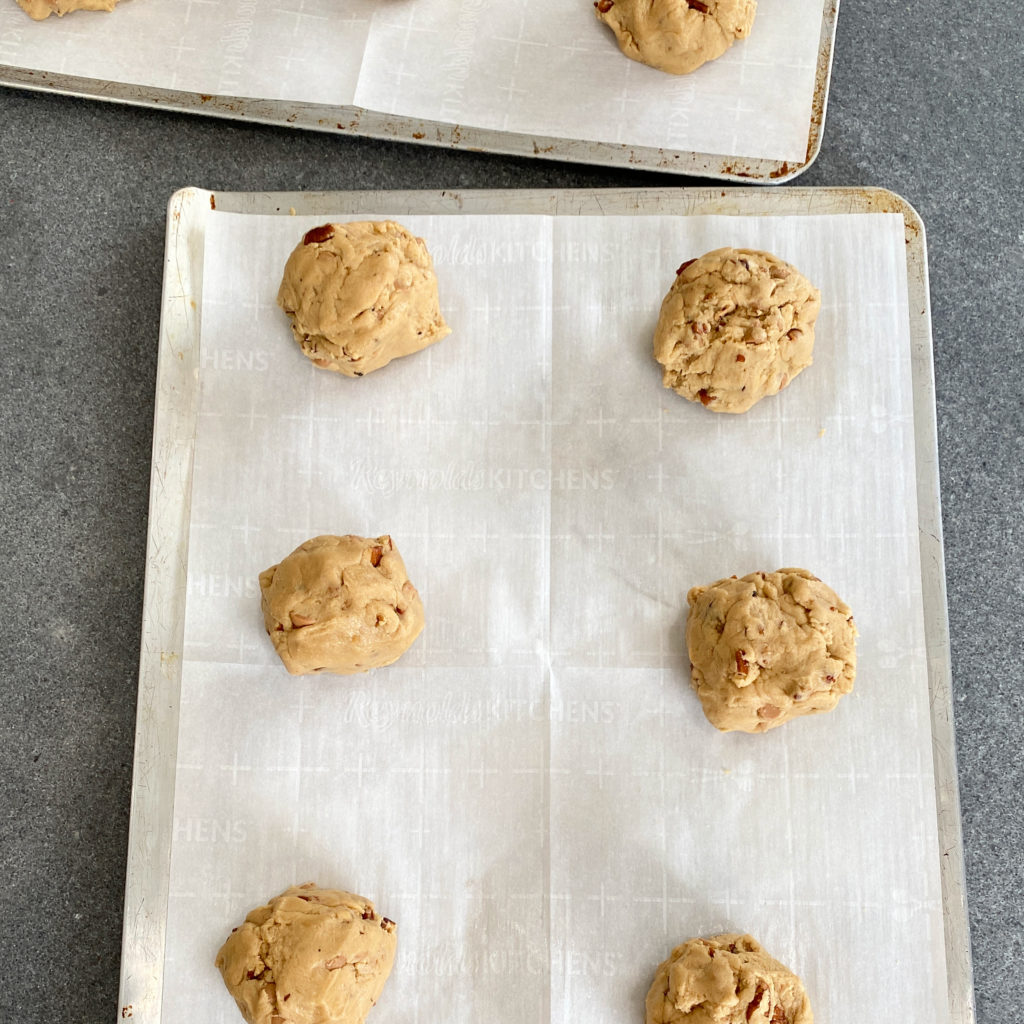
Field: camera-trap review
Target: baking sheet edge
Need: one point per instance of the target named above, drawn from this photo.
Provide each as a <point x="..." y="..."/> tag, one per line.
<point x="151" y="819"/>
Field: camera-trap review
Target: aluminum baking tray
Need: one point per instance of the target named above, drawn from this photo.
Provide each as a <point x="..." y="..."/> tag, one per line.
<point x="190" y="211"/>
<point x="76" y="76"/>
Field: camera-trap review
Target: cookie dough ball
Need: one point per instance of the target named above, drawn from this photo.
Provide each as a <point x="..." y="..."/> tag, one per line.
<point x="735" y="326"/>
<point x="42" y="9"/>
<point x="309" y="956"/>
<point x="769" y="647"/>
<point x="677" y="36"/>
<point x="727" y="979"/>
<point x="341" y="605"/>
<point x="359" y="295"/>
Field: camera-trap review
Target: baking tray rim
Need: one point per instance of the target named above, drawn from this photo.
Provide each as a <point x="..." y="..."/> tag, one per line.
<point x="152" y="796"/>
<point x="350" y="120"/>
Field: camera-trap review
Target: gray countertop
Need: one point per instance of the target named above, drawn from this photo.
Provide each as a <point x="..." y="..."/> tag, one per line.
<point x="925" y="101"/>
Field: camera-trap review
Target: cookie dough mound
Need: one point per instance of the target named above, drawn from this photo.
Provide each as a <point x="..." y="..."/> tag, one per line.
<point x="341" y="605"/>
<point x="39" y="10"/>
<point x="769" y="647"/>
<point x="735" y="326"/>
<point x="309" y="956"/>
<point x="677" y="36"/>
<point x="359" y="295"/>
<point x="727" y="979"/>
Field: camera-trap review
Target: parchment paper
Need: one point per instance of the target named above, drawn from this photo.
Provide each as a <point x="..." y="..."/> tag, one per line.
<point x="532" y="792"/>
<point x="535" y="67"/>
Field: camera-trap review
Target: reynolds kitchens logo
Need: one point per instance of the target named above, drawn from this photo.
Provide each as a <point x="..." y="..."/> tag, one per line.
<point x="209" y="830"/>
<point x="234" y="47"/>
<point x="466" y="251"/>
<point x="448" y="961"/>
<point x="364" y="710"/>
<point x="469" y="476"/>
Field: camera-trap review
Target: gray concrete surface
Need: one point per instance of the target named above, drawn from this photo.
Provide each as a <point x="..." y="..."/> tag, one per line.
<point x="925" y="101"/>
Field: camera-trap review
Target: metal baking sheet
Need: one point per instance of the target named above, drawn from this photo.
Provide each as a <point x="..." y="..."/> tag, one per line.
<point x="79" y="74"/>
<point x="151" y="831"/>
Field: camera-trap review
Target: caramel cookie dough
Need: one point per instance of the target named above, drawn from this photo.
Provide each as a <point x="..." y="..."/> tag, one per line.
<point x="727" y="979"/>
<point x="309" y="956"/>
<point x="677" y="36"/>
<point x="769" y="647"/>
<point x="341" y="605"/>
<point x="735" y="326"/>
<point x="359" y="295"/>
<point x="42" y="9"/>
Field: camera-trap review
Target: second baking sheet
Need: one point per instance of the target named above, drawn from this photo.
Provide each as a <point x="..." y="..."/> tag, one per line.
<point x="533" y="792"/>
<point x="533" y="68"/>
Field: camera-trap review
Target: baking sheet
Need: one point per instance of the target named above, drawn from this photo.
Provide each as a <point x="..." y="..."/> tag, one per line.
<point x="533" y="77"/>
<point x="554" y="728"/>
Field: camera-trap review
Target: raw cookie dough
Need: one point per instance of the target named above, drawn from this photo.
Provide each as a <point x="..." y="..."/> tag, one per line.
<point x="42" y="9"/>
<point x="769" y="647"/>
<point x="309" y="956"/>
<point x="727" y="979"/>
<point x="340" y="604"/>
<point x="359" y="295"/>
<point x="735" y="326"/>
<point x="677" y="35"/>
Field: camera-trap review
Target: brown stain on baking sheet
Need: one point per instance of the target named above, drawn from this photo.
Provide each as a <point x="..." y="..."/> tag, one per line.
<point x="821" y="82"/>
<point x="884" y="201"/>
<point x="821" y="79"/>
<point x="737" y="173"/>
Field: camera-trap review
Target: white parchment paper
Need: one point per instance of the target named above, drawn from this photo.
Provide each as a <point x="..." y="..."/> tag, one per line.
<point x="303" y="50"/>
<point x="532" y="792"/>
<point x="535" y="67"/>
